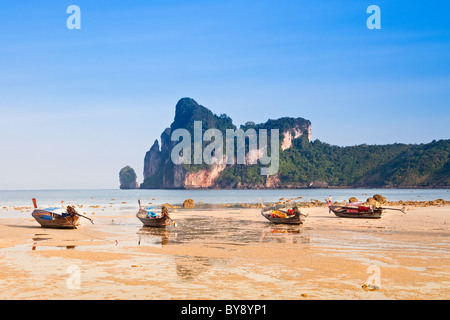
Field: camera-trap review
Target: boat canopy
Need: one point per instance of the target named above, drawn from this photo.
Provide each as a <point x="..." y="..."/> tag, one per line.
<point x="57" y="210"/>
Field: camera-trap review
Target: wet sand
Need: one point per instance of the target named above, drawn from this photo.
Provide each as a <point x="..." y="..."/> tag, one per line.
<point x="229" y="254"/>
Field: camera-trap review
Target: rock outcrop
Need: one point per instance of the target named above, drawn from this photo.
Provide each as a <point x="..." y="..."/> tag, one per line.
<point x="188" y="204"/>
<point x="294" y="133"/>
<point x="128" y="178"/>
<point x="152" y="160"/>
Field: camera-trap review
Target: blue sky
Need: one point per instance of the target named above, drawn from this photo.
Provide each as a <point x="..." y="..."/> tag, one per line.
<point x="78" y="105"/>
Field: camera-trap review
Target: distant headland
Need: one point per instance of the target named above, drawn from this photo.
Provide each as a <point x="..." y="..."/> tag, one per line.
<point x="303" y="163"/>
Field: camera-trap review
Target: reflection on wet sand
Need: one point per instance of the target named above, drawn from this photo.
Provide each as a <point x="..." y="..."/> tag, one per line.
<point x="38" y="237"/>
<point x="226" y="230"/>
<point x="34" y="246"/>
<point x="285" y="234"/>
<point x="151" y="235"/>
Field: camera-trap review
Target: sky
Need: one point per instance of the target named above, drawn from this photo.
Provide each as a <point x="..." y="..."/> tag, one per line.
<point x="78" y="105"/>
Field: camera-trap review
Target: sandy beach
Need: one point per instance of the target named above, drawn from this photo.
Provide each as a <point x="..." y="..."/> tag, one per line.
<point x="228" y="254"/>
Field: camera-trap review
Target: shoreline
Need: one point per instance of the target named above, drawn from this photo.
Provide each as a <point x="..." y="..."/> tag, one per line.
<point x="304" y="204"/>
<point x="226" y="206"/>
<point x="303" y="188"/>
<point x="290" y="203"/>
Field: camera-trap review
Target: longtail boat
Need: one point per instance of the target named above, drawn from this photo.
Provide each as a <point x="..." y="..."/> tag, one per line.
<point x="57" y="217"/>
<point x="357" y="210"/>
<point x="283" y="215"/>
<point x="150" y="218"/>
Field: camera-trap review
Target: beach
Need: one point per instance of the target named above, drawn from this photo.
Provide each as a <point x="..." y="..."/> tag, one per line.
<point x="229" y="253"/>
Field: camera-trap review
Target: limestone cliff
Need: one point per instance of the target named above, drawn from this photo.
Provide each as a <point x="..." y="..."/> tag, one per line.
<point x="294" y="133"/>
<point x="204" y="178"/>
<point x="152" y="160"/>
<point x="303" y="163"/>
<point x="161" y="172"/>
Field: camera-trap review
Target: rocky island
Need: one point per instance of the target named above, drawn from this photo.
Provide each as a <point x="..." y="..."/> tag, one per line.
<point x="128" y="178"/>
<point x="303" y="163"/>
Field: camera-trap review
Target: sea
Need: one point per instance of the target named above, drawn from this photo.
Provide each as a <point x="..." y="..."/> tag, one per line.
<point x="46" y="198"/>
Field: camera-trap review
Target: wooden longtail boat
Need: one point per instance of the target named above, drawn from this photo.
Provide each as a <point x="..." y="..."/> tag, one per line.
<point x="151" y="219"/>
<point x="358" y="211"/>
<point x="57" y="218"/>
<point x="283" y="216"/>
<point x="152" y="222"/>
<point x="50" y="219"/>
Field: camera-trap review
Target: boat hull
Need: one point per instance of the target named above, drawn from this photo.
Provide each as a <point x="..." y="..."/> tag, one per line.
<point x="294" y="219"/>
<point x="344" y="213"/>
<point x="49" y="219"/>
<point x="153" y="222"/>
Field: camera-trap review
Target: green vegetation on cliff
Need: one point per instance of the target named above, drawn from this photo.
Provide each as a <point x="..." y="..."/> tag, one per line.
<point x="393" y="165"/>
<point x="188" y="110"/>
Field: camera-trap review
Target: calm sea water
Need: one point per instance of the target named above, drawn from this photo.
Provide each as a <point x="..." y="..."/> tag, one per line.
<point x="103" y="197"/>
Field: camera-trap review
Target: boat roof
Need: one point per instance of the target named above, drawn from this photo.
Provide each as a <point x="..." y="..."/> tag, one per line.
<point x="55" y="209"/>
<point x="52" y="208"/>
